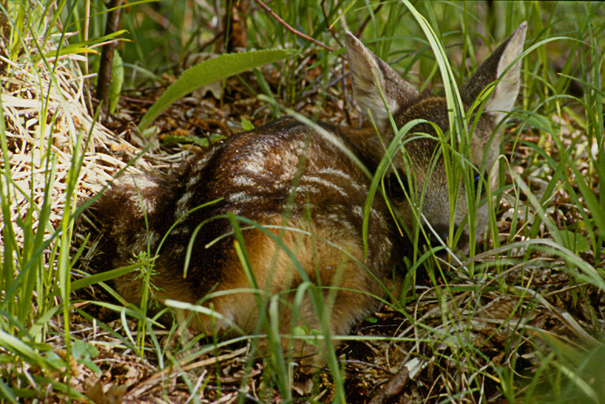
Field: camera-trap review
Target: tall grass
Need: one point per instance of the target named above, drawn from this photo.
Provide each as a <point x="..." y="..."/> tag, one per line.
<point x="36" y="247"/>
<point x="548" y="212"/>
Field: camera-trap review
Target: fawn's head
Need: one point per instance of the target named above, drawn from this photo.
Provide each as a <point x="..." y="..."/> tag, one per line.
<point x="420" y="173"/>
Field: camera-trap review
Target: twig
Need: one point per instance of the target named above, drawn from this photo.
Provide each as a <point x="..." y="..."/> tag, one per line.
<point x="362" y="27"/>
<point x="289" y="28"/>
<point x="104" y="79"/>
<point x="323" y="9"/>
<point x="171" y="372"/>
<point x="392" y="388"/>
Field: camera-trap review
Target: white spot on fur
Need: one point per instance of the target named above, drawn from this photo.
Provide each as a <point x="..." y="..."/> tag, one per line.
<point x="142" y="241"/>
<point x="243" y="181"/>
<point x="144" y="206"/>
<point x="201" y="163"/>
<point x="236" y="211"/>
<point x="193" y="180"/>
<point x="374" y="214"/>
<point x="240" y="197"/>
<point x="326" y="183"/>
<point x="182" y="205"/>
<point x="181" y="230"/>
<point x="255" y="163"/>
<point x="308" y="189"/>
<point x="346" y="178"/>
<point x="185" y="198"/>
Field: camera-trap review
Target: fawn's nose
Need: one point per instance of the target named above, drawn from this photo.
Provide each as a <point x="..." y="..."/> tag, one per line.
<point x="438" y="240"/>
<point x="437" y="235"/>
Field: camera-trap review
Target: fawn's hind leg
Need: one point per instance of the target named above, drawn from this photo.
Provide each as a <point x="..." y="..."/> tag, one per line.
<point x="315" y="276"/>
<point x="339" y="291"/>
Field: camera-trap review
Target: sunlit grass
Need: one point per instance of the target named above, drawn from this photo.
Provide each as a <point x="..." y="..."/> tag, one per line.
<point x="548" y="213"/>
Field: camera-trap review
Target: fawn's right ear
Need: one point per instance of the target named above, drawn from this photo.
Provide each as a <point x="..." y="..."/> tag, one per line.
<point x="499" y="65"/>
<point x="368" y="73"/>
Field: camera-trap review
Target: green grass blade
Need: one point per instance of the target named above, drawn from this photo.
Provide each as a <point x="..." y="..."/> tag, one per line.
<point x="209" y="71"/>
<point x="23" y="350"/>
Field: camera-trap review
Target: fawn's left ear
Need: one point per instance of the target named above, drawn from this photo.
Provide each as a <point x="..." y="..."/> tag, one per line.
<point x="369" y="73"/>
<point x="505" y="94"/>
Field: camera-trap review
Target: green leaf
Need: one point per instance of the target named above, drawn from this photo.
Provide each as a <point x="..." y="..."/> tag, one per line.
<point x="371" y="319"/>
<point x="117" y="80"/>
<point x="200" y="141"/>
<point x="211" y="70"/>
<point x="247" y="125"/>
<point x="300" y="331"/>
<point x="85" y="46"/>
<point x="104" y="276"/>
<point x="84" y="352"/>
<point x="24" y="350"/>
<point x="574" y="241"/>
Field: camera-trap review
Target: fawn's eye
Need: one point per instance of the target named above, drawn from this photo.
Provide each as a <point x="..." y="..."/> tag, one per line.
<point x="476" y="180"/>
<point x="480" y="178"/>
<point x="397" y="187"/>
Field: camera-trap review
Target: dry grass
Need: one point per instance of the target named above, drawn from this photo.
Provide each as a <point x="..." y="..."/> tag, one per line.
<point x="459" y="336"/>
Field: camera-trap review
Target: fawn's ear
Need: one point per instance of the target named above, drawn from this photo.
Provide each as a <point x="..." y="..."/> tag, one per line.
<point x="368" y="73"/>
<point x="505" y="94"/>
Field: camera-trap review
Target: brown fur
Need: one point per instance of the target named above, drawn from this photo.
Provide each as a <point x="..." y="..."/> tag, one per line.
<point x="311" y="198"/>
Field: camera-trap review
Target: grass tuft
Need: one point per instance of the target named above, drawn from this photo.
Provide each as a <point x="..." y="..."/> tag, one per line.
<point x="520" y="320"/>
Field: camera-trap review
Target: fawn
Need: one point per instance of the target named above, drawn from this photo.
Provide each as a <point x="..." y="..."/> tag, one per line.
<point x="304" y="187"/>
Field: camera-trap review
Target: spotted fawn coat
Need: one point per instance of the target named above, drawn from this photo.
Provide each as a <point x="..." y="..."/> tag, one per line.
<point x="309" y="194"/>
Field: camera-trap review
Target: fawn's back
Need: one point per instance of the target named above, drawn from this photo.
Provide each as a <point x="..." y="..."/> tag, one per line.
<point x="310" y="196"/>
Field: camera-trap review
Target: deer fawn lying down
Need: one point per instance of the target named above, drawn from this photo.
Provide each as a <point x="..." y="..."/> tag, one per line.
<point x="310" y="196"/>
